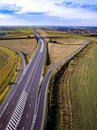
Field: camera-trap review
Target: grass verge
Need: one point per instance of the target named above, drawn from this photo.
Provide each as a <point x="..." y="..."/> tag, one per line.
<point x="27" y="46"/>
<point x="9" y="72"/>
<point x="3" y="59"/>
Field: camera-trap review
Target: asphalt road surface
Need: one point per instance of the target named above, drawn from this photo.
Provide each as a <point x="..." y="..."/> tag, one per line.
<point x="19" y="113"/>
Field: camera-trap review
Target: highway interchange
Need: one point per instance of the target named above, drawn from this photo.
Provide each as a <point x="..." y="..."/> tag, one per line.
<point x="26" y="108"/>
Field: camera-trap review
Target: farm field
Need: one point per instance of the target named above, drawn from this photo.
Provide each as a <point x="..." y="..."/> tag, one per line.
<point x="74" y="96"/>
<point x="56" y="33"/>
<point x="26" y="46"/>
<point x="25" y="30"/>
<point x="9" y="63"/>
<point x="59" y="48"/>
<point x="17" y="32"/>
<point x="83" y="86"/>
<point x="64" y="34"/>
<point x="3" y="59"/>
<point x="8" y="31"/>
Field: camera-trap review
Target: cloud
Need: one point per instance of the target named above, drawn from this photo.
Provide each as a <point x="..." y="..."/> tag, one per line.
<point x="71" y="13"/>
<point x="77" y="5"/>
<point x="6" y="19"/>
<point x="91" y="2"/>
<point x="49" y="7"/>
<point x="4" y="16"/>
<point x="23" y="10"/>
<point x="29" y="5"/>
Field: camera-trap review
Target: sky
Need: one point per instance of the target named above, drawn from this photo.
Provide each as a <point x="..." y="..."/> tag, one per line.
<point x="48" y="12"/>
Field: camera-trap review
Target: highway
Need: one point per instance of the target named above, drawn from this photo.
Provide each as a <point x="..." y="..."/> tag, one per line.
<point x="26" y="108"/>
<point x="39" y="123"/>
<point x="20" y="111"/>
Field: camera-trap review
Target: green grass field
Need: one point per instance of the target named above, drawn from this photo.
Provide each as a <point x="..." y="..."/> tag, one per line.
<point x="25" y="30"/>
<point x="3" y="59"/>
<point x="65" y="34"/>
<point x="17" y="32"/>
<point x="84" y="91"/>
<point x="8" y="72"/>
<point x="8" y="31"/>
<point x="72" y="95"/>
<point x="56" y="33"/>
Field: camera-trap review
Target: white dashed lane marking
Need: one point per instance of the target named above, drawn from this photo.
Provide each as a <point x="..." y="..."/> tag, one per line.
<point x="16" y="116"/>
